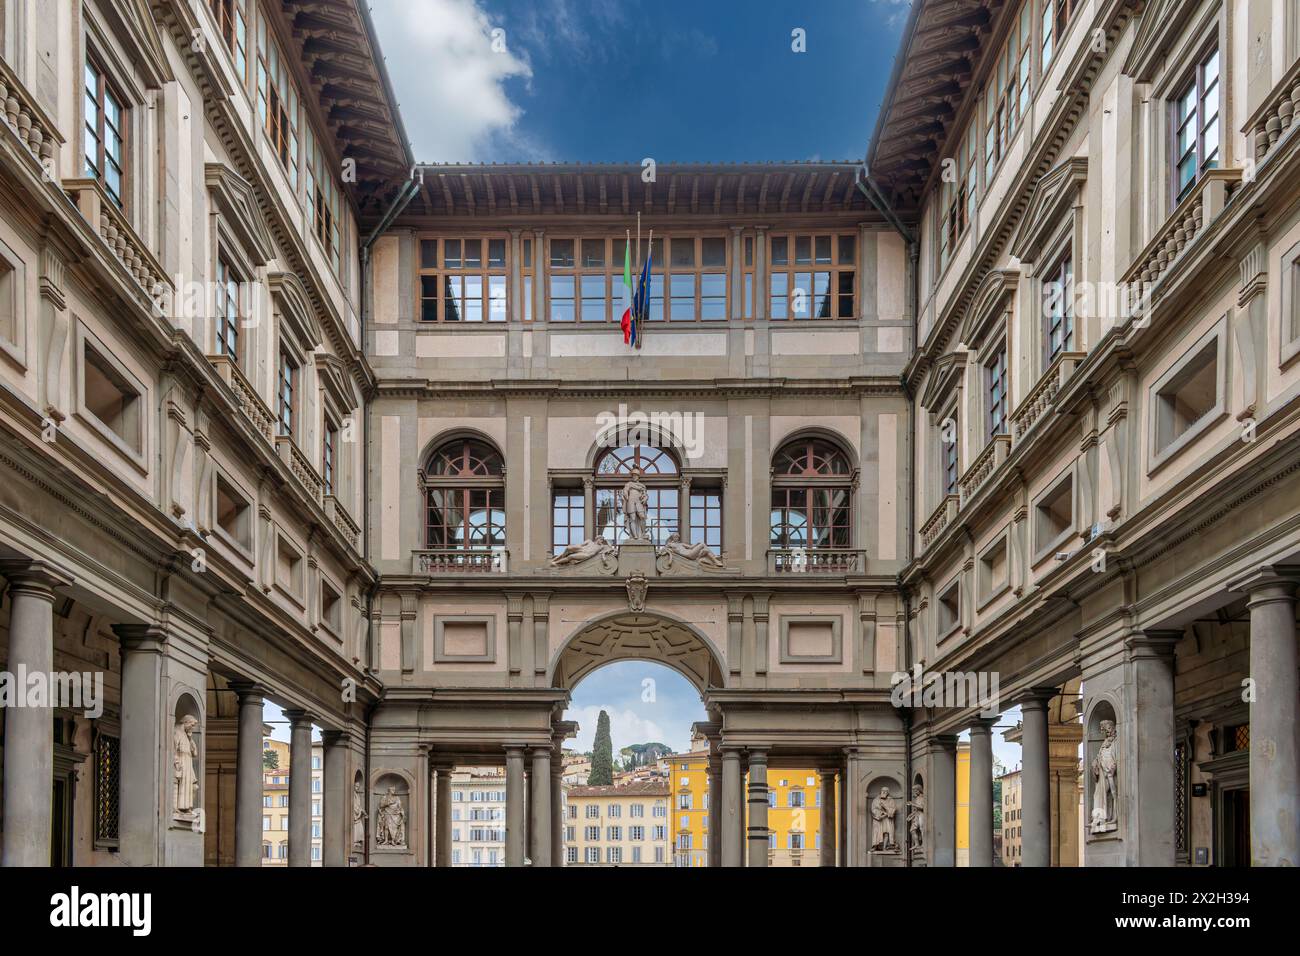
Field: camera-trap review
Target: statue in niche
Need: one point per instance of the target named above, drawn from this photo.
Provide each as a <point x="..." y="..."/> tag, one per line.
<point x="1104" y="795"/>
<point x="916" y="816"/>
<point x="391" y="830"/>
<point x="358" y="817"/>
<point x="184" y="753"/>
<point x="597" y="547"/>
<point x="699" y="553"/>
<point x="883" y="809"/>
<point x="635" y="501"/>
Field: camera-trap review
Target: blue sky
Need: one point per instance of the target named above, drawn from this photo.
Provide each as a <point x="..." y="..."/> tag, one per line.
<point x="620" y="80"/>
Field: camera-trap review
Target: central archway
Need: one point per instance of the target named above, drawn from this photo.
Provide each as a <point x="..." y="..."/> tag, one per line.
<point x="644" y="636"/>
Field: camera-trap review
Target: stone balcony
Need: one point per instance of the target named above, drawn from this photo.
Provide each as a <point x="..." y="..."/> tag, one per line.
<point x="299" y="466"/>
<point x="1272" y="122"/>
<point x="254" y="409"/>
<point x="112" y="226"/>
<point x="942" y="516"/>
<point x="440" y="561"/>
<point x="1031" y="408"/>
<point x="33" y="127"/>
<point x="816" y="561"/>
<point x="985" y="463"/>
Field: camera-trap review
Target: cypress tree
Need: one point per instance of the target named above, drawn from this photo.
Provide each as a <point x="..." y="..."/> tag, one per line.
<point x="602" y="755"/>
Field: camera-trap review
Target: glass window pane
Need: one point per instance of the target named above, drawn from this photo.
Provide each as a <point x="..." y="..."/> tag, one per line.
<point x="428" y="253"/>
<point x="562" y="253"/>
<point x="473" y="254"/>
<point x="497" y="253"/>
<point x="593" y="253"/>
<point x="451" y="289"/>
<point x="780" y="251"/>
<point x="713" y="251"/>
<point x="683" y="252"/>
<point x="823" y="250"/>
<point x="780" y="285"/>
<point x="451" y="253"/>
<point x="497" y="298"/>
<point x="803" y="250"/>
<point x="473" y="299"/>
<point x="847" y="247"/>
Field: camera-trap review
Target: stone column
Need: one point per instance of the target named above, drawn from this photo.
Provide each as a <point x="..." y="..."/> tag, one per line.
<point x="336" y="839"/>
<point x="733" y="811"/>
<point x="1150" y="720"/>
<point x="540" y="807"/>
<point x="141" y="779"/>
<point x="846" y="807"/>
<point x="1035" y="780"/>
<point x="856" y="829"/>
<point x="442" y="812"/>
<point x="981" y="793"/>
<point x="515" y="806"/>
<point x="29" y="739"/>
<point x="716" y="801"/>
<point x="758" y="838"/>
<point x="828" y="816"/>
<point x="557" y="807"/>
<point x="299" y="787"/>
<point x="1274" y="721"/>
<point x="248" y="776"/>
<point x="941" y="802"/>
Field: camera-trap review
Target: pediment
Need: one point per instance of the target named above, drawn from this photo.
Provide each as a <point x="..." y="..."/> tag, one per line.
<point x="1052" y="194"/>
<point x="136" y="26"/>
<point x="237" y="203"/>
<point x="294" y="306"/>
<point x="989" y="303"/>
<point x="944" y="375"/>
<point x="1160" y="25"/>
<point x="332" y="375"/>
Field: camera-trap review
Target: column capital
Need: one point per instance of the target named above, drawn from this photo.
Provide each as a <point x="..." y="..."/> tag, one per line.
<point x="516" y="750"/>
<point x="248" y="691"/>
<point x="297" y="717"/>
<point x="1035" y="698"/>
<point x="1268" y="580"/>
<point x="983" y="726"/>
<point x="1154" y="644"/>
<point x="37" y="577"/>
<point x="141" y="637"/>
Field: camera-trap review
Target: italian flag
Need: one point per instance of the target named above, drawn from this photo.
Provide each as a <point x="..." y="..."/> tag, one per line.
<point x="629" y="332"/>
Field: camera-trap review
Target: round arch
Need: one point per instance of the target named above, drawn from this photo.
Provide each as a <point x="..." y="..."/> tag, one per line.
<point x="847" y="447"/>
<point x="640" y="430"/>
<point x="449" y="435"/>
<point x="638" y="636"/>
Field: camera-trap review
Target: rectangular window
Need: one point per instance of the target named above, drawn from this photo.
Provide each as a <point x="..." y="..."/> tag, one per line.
<point x="812" y="277"/>
<point x="285" y="394"/>
<point x="995" y="390"/>
<point x="328" y="451"/>
<point x="230" y="310"/>
<point x="233" y="27"/>
<point x="568" y="511"/>
<point x="326" y="203"/>
<point x="104" y="145"/>
<point x="113" y="400"/>
<point x="1056" y="18"/>
<point x="948" y="456"/>
<point x="107" y="778"/>
<point x="277" y="100"/>
<point x="1196" y="126"/>
<point x="1054" y="516"/>
<point x="1008" y="94"/>
<point x="958" y="197"/>
<point x="993" y="569"/>
<point x="1058" y="309"/>
<point x="463" y="280"/>
<point x="234" y="514"/>
<point x="948" y="609"/>
<point x="706" y="519"/>
<point x="1189" y="397"/>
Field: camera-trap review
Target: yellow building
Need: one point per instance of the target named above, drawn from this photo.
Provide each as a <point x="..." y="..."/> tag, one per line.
<point x="963" y="804"/>
<point x="793" y="816"/>
<point x="275" y="802"/>
<point x="617" y="826"/>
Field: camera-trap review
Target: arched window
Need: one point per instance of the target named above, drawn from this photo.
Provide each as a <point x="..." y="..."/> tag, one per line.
<point x="660" y="475"/>
<point x="464" y="482"/>
<point x="812" y="496"/>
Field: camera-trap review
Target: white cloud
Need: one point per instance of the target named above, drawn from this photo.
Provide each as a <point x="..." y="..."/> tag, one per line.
<point x="625" y="727"/>
<point x="450" y="81"/>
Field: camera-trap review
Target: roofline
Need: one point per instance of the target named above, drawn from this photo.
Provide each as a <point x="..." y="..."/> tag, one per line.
<point x="900" y="59"/>
<point x="579" y="167"/>
<point x="381" y="65"/>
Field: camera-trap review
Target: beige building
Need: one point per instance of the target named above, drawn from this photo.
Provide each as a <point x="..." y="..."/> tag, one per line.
<point x="623" y="825"/>
<point x="1011" y="818"/>
<point x="275" y="802"/>
<point x="478" y="816"/>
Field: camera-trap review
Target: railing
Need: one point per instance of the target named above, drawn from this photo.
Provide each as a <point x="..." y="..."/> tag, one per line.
<point x="1041" y="396"/>
<point x="939" y="520"/>
<point x="298" y="464"/>
<point x="1275" y="116"/>
<point x="985" y="463"/>
<point x="342" y="520"/>
<point x="118" y="234"/>
<point x="254" y="409"/>
<point x="457" y="561"/>
<point x="30" y="124"/>
<point x="816" y="561"/>
<point x="1199" y="208"/>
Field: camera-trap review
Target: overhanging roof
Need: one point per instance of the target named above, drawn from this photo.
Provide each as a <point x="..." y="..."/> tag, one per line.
<point x="617" y="189"/>
<point x="939" y="57"/>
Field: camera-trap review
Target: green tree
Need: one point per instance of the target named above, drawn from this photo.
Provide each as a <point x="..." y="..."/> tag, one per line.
<point x="602" y="755"/>
<point x="270" y="760"/>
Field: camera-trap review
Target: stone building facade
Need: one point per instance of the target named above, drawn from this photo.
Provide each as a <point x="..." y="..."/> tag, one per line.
<point x="287" y="418"/>
<point x="1106" y="384"/>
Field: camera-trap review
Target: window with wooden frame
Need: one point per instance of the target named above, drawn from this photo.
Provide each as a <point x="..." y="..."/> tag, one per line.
<point x="568" y="518"/>
<point x="706" y="518"/>
<point x="949" y="456"/>
<point x="697" y="278"/>
<point x="1007" y="97"/>
<point x="1195" y="122"/>
<point x="1058" y="309"/>
<point x="957" y="196"/>
<point x="747" y="278"/>
<point x="277" y="99"/>
<point x="1055" y="20"/>
<point x="995" y="392"/>
<point x="463" y="280"/>
<point x="230" y="309"/>
<point x="286" y="393"/>
<point x="812" y="276"/>
<point x="527" y="273"/>
<point x="329" y="455"/>
<point x="579" y="289"/>
<point x="325" y="200"/>
<point x="104" y="147"/>
<point x="232" y="25"/>
<point x="658" y="471"/>
<point x="812" y="496"/>
<point x="464" y="482"/>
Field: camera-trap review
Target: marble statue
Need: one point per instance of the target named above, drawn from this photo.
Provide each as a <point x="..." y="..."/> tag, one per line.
<point x="916" y="816"/>
<point x="635" y="500"/>
<point x="184" y="752"/>
<point x="358" y="817"/>
<point x="883" y="809"/>
<point x="692" y="552"/>
<point x="1104" y="795"/>
<point x="391" y="830"/>
<point x="578" y="553"/>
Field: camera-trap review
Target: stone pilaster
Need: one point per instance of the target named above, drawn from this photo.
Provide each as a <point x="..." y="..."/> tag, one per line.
<point x="299" y="787"/>
<point x="1035" y="780"/>
<point x="248" y="776"/>
<point x="941" y="802"/>
<point x="828" y="816"/>
<point x="1149" y="657"/>
<point x="733" y="809"/>
<point x="981" y="793"/>
<point x="515" y="800"/>
<point x="541" y="826"/>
